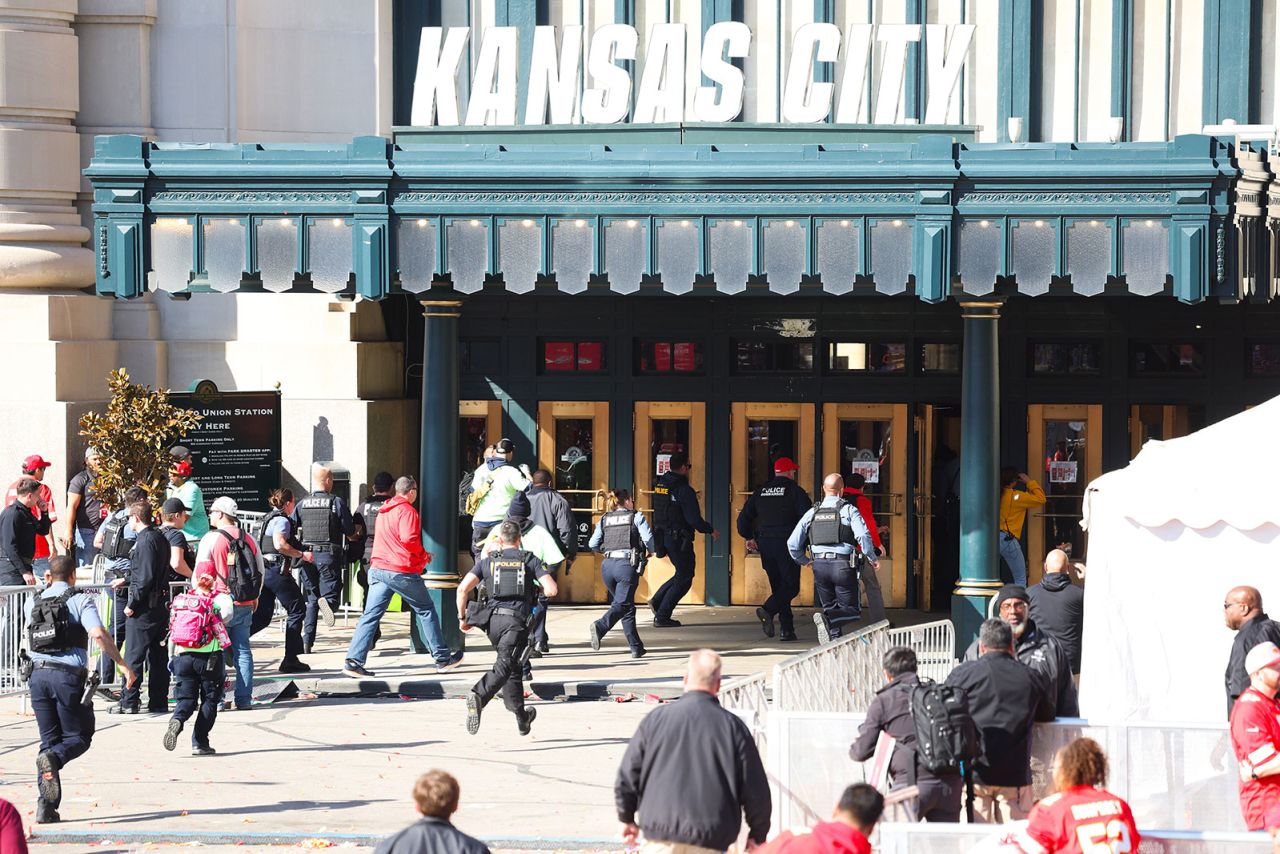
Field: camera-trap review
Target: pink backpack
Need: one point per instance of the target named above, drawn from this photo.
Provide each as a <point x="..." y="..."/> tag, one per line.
<point x="193" y="621"/>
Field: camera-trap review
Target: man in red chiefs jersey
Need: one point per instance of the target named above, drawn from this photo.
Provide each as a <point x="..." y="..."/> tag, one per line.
<point x="1081" y="817"/>
<point x="1255" y="735"/>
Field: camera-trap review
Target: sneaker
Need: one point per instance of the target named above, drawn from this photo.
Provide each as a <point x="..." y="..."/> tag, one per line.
<point x="824" y="628"/>
<point x="172" y="733"/>
<point x="787" y="636"/>
<point x="294" y="666"/>
<point x="47" y="779"/>
<point x="473" y="712"/>
<point x="122" y="710"/>
<point x="158" y="710"/>
<point x="534" y="652"/>
<point x="638" y="652"/>
<point x="355" y="670"/>
<point x="593" y="632"/>
<point x="525" y="721"/>
<point x="206" y="750"/>
<point x="766" y="622"/>
<point x="46" y="814"/>
<point x="454" y="662"/>
<point x="665" y="623"/>
<point x="543" y="646"/>
<point x="326" y="612"/>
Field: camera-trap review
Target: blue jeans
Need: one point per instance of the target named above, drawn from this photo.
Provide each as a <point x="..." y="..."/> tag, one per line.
<point x="1011" y="551"/>
<point x="238" y="627"/>
<point x="383" y="584"/>
<point x="85" y="551"/>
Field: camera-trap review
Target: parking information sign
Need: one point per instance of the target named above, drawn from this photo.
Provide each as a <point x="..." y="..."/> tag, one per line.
<point x="235" y="449"/>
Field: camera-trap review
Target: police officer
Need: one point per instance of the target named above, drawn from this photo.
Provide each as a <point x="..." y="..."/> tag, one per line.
<point x="147" y="610"/>
<point x="766" y="520"/>
<point x="58" y="636"/>
<point x="677" y="516"/>
<point x="511" y="578"/>
<point x="622" y="535"/>
<point x="835" y="531"/>
<point x="279" y="546"/>
<point x="321" y="520"/>
<point x="368" y="512"/>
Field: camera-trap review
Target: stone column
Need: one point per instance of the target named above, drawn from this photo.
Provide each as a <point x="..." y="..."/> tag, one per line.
<point x="979" y="469"/>
<point x="41" y="235"/>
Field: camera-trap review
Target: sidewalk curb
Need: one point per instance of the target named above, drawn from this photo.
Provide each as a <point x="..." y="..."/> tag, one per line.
<point x="438" y="689"/>
<point x="142" y="837"/>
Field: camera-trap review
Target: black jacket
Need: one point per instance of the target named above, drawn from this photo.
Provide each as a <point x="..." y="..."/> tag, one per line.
<point x="691" y="771"/>
<point x="686" y="515"/>
<point x="552" y="511"/>
<point x="18" y="532"/>
<point x="1045" y="656"/>
<point x="1258" y="630"/>
<point x="431" y="836"/>
<point x="1057" y="607"/>
<point x="752" y="524"/>
<point x="149" y="572"/>
<point x="890" y="711"/>
<point x="1005" y="698"/>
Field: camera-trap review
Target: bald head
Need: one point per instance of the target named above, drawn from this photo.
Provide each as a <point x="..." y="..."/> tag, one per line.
<point x="832" y="484"/>
<point x="1241" y="605"/>
<point x="321" y="477"/>
<point x="704" y="672"/>
<point x="1056" y="561"/>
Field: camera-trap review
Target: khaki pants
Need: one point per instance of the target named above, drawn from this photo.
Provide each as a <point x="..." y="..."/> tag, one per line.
<point x="656" y="846"/>
<point x="1001" y="804"/>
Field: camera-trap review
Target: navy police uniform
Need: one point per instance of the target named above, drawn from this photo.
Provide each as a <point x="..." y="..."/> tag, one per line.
<point x="145" y="630"/>
<point x="322" y="521"/>
<point x="769" y="517"/>
<point x="677" y="516"/>
<point x="834" y="540"/>
<point x="618" y="536"/>
<point x="278" y="585"/>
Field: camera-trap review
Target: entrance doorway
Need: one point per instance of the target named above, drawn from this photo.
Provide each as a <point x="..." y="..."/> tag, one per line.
<point x="936" y="506"/>
<point x="871" y="439"/>
<point x="1162" y="422"/>
<point x="479" y="425"/>
<point x="760" y="434"/>
<point x="663" y="429"/>
<point x="1064" y="453"/>
<point x="573" y="444"/>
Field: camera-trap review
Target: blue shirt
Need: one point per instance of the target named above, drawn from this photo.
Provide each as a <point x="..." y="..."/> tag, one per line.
<point x="637" y="521"/>
<point x="83" y="611"/>
<point x="849" y="515"/>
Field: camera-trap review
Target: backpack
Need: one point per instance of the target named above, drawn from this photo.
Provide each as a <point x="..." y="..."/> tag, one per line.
<point x="244" y="579"/>
<point x="114" y="544"/>
<point x="945" y="732"/>
<point x="191" y="619"/>
<point x="477" y="495"/>
<point x="51" y="630"/>
<point x="464" y="493"/>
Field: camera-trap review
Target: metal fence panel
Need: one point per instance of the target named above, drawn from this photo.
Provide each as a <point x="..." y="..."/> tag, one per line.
<point x="837" y="677"/>
<point x="961" y="839"/>
<point x="13" y="629"/>
<point x="934" y="645"/>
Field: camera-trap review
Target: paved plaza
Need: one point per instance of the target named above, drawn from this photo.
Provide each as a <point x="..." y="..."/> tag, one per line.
<point x="339" y="767"/>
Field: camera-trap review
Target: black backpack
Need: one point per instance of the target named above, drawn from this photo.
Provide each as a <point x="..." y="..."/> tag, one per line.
<point x="945" y="732"/>
<point x="114" y="544"/>
<point x="464" y="491"/>
<point x="51" y="630"/>
<point x="244" y="579"/>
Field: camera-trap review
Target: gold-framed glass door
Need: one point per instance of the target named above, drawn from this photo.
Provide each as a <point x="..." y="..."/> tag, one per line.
<point x="573" y="444"/>
<point x="760" y="434"/>
<point x="871" y="439"/>
<point x="936" y="505"/>
<point x="1064" y="453"/>
<point x="662" y="429"/>
<point x="1161" y="422"/>
<point x="479" y="425"/>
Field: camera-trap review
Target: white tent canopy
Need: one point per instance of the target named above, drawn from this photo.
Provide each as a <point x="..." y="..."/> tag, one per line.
<point x="1169" y="534"/>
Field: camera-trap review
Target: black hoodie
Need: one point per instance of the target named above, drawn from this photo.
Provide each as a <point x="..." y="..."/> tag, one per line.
<point x="1057" y="606"/>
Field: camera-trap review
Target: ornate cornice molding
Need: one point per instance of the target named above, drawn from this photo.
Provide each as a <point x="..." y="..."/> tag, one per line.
<point x="1064" y="198"/>
<point x="623" y="197"/>
<point x="249" y="197"/>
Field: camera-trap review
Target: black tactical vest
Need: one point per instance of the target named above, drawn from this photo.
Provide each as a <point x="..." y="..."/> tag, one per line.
<point x="507" y="577"/>
<point x="617" y="528"/>
<point x="318" y="524"/>
<point x="52" y="631"/>
<point x="369" y="511"/>
<point x="267" y="543"/>
<point x="828" y="528"/>
<point x="775" y="511"/>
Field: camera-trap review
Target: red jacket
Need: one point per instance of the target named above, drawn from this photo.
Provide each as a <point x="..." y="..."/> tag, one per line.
<point x="863" y="503"/>
<point x="397" y="539"/>
<point x="829" y="837"/>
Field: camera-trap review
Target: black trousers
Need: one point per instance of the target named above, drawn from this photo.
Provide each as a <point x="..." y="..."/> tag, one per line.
<point x="784" y="580"/>
<point x="940" y="798"/>
<point x="144" y="646"/>
<point x="480" y="533"/>
<point x="66" y="726"/>
<point x="199" y="681"/>
<point x="509" y="634"/>
<point x="278" y="585"/>
<point x="107" y="667"/>
<point x="320" y="579"/>
<point x="836" y="585"/>
<point x="680" y="553"/>
<point x="620" y="580"/>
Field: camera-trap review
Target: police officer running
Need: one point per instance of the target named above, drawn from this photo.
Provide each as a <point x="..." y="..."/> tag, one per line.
<point x="623" y="536"/>
<point x="677" y="516"/>
<point x="835" y="532"/>
<point x="511" y="578"/>
<point x="60" y="622"/>
<point x="766" y="520"/>
<point x="322" y="521"/>
<point x="279" y="547"/>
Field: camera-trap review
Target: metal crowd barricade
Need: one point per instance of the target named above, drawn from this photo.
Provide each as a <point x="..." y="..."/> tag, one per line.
<point x="13" y="624"/>
<point x="962" y="838"/>
<point x="934" y="645"/>
<point x="748" y="698"/>
<point x="841" y="676"/>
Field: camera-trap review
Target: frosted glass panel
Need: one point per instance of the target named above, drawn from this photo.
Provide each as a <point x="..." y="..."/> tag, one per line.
<point x="277" y="252"/>
<point x="626" y="250"/>
<point x="839" y="244"/>
<point x="731" y="253"/>
<point x="784" y="243"/>
<point x="330" y="253"/>
<point x="890" y="255"/>
<point x="1088" y="255"/>
<point x="224" y="253"/>
<point x="572" y="251"/>
<point x="981" y="245"/>
<point x="1146" y="256"/>
<point x="519" y="253"/>
<point x="468" y="253"/>
<point x="171" y="238"/>
<point x="1034" y="253"/>
<point x="416" y="249"/>
<point x="677" y="254"/>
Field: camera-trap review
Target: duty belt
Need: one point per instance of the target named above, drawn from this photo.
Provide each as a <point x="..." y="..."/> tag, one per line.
<point x="832" y="555"/>
<point x="515" y="612"/>
<point x="625" y="554"/>
<point x="73" y="669"/>
<point x="324" y="548"/>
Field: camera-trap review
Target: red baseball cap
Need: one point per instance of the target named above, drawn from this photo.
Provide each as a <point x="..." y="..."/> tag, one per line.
<point x="785" y="464"/>
<point x="35" y="461"/>
<point x="182" y="468"/>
